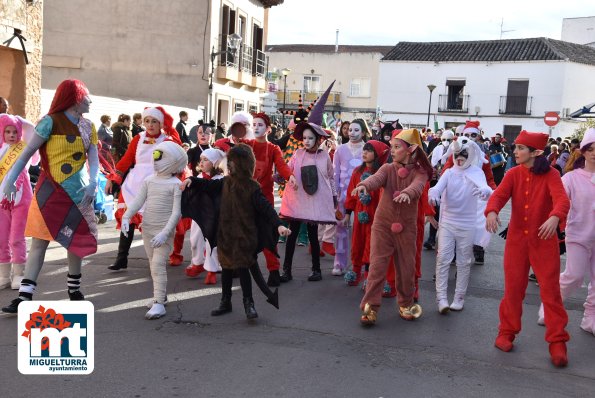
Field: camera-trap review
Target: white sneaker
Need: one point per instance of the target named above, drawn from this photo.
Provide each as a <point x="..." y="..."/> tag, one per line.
<point x="443" y="307"/>
<point x="588" y="325"/>
<point x="152" y="301"/>
<point x="156" y="311"/>
<point x="337" y="271"/>
<point x="457" y="304"/>
<point x="540" y="316"/>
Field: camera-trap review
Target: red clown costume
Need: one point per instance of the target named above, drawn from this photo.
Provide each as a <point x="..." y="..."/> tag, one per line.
<point x="535" y="198"/>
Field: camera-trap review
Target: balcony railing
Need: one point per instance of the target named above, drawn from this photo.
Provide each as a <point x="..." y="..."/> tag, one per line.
<point x="515" y="105"/>
<point x="246" y="59"/>
<point x="292" y="97"/>
<point x="448" y="103"/>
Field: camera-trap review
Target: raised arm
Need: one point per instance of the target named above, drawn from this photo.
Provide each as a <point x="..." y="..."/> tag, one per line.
<point x="415" y="189"/>
<point x="378" y="179"/>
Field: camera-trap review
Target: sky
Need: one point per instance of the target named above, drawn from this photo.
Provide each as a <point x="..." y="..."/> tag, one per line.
<point x="386" y="22"/>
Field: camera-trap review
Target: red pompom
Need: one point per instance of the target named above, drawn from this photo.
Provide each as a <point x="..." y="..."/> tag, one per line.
<point x="403" y="172"/>
<point x="396" y="228"/>
<point x="396" y="193"/>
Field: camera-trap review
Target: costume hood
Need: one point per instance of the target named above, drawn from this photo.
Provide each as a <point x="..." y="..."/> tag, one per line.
<point x="241" y="125"/>
<point x="169" y="158"/>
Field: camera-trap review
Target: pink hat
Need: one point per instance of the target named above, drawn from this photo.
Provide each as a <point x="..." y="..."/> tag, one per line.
<point x="10" y="120"/>
<point x="588" y="138"/>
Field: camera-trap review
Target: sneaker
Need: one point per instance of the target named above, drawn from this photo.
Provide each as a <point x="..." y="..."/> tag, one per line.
<point x="532" y="278"/>
<point x="302" y="242"/>
<point x="457" y="304"/>
<point x="156" y="311"/>
<point x="429" y="245"/>
<point x="443" y="306"/>
<point x="282" y="239"/>
<point x="151" y="302"/>
<point x="76" y="296"/>
<point x="337" y="271"/>
<point x="315" y="276"/>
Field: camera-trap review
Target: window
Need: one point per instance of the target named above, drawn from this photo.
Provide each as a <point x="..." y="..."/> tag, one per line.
<point x="238" y="106"/>
<point x="517" y="100"/>
<point x="311" y="83"/>
<point x="455" y="94"/>
<point x="359" y="87"/>
<point x="242" y="27"/>
<point x="252" y="108"/>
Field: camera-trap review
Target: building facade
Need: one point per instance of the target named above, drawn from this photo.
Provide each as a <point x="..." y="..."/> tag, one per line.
<point x="314" y="67"/>
<point x="133" y="54"/>
<point x="20" y="60"/>
<point x="579" y="30"/>
<point x="508" y="85"/>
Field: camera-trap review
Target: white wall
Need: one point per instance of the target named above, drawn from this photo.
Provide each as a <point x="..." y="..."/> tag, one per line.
<point x="579" y="30"/>
<point x="403" y="91"/>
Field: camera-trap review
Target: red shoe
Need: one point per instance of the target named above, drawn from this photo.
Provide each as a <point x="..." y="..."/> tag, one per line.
<point x="310" y="251"/>
<point x="211" y="278"/>
<point x="329" y="248"/>
<point x="558" y="354"/>
<point x="193" y="271"/>
<point x="504" y="342"/>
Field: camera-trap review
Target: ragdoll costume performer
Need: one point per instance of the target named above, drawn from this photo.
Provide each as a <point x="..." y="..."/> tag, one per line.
<point x="240" y="130"/>
<point x="160" y="195"/>
<point x="311" y="196"/>
<point x="363" y="207"/>
<point x="457" y="193"/>
<point x="134" y="167"/>
<point x="347" y="158"/>
<point x="580" y="231"/>
<point x="62" y="206"/>
<point x="539" y="204"/>
<point x="235" y="217"/>
<point x="15" y="133"/>
<point x="394" y="229"/>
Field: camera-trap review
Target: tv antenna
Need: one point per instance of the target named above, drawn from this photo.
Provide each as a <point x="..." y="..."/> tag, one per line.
<point x="502" y="31"/>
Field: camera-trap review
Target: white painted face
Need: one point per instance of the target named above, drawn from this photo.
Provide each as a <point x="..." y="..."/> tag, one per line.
<point x="84" y="105"/>
<point x="310" y="140"/>
<point x="355" y="132"/>
<point x="260" y="127"/>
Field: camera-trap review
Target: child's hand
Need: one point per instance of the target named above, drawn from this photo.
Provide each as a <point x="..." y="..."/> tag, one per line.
<point x="548" y="228"/>
<point x="345" y="221"/>
<point x="432" y="221"/>
<point x="483" y="193"/>
<point x="284" y="231"/>
<point x="402" y="198"/>
<point x="492" y="222"/>
<point x="159" y="239"/>
<point x="109" y="187"/>
<point x="125" y="226"/>
<point x="293" y="182"/>
<point x="359" y="189"/>
<point x="187" y="182"/>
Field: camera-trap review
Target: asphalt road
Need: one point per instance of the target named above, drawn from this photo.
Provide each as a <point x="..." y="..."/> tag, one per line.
<point x="313" y="346"/>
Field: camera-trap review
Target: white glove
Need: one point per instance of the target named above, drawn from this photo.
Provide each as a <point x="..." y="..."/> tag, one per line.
<point x="159" y="239"/>
<point x="89" y="196"/>
<point x="433" y="198"/>
<point x="125" y="226"/>
<point x="482" y="193"/>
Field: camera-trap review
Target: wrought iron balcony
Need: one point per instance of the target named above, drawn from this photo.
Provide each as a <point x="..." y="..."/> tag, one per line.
<point x="458" y="104"/>
<point x="246" y="60"/>
<point x="515" y="105"/>
<point x="292" y="97"/>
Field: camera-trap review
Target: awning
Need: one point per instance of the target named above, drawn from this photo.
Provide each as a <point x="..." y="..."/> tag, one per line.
<point x="586" y="111"/>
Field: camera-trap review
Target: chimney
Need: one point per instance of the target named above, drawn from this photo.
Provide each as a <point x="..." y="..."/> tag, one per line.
<point x="337" y="42"/>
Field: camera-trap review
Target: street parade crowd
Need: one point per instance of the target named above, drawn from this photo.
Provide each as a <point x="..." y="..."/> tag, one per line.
<point x="363" y="199"/>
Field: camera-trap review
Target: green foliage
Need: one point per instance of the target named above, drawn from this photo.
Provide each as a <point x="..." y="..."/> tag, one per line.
<point x="579" y="132"/>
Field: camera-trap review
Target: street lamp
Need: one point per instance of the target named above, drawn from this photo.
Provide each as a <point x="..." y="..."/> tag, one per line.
<point x="284" y="72"/>
<point x="234" y="41"/>
<point x="431" y="87"/>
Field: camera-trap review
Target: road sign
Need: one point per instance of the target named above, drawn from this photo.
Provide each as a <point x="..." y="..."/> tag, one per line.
<point x="551" y="118"/>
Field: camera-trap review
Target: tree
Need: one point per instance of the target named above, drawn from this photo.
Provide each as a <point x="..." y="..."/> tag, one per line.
<point x="579" y="132"/>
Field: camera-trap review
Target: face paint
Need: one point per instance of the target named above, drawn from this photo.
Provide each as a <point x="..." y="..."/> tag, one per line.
<point x="260" y="127"/>
<point x="83" y="106"/>
<point x="310" y="140"/>
<point x="355" y="132"/>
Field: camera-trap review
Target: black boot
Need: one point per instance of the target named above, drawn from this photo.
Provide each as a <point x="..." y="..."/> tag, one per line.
<point x="286" y="275"/>
<point x="13" y="307"/>
<point x="249" y="307"/>
<point x="76" y="295"/>
<point x="274" y="278"/>
<point x="123" y="249"/>
<point x="224" y="306"/>
<point x="315" y="276"/>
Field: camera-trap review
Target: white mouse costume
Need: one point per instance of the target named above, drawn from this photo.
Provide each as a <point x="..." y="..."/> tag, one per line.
<point x="458" y="192"/>
<point x="161" y="196"/>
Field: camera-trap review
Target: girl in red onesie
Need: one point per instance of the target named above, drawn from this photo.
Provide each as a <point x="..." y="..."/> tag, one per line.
<point x="539" y="205"/>
<point x="374" y="155"/>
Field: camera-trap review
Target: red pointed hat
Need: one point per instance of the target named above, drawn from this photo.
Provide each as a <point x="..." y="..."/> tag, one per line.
<point x="382" y="150"/>
<point x="534" y="140"/>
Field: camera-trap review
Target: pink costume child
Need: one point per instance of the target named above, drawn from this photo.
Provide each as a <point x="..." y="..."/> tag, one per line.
<point x="580" y="231"/>
<point x="394" y="230"/>
<point x="14" y="132"/>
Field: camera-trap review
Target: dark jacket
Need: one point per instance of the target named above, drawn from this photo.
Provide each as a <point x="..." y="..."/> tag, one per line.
<point x="122" y="138"/>
<point x="181" y="129"/>
<point x="136" y="129"/>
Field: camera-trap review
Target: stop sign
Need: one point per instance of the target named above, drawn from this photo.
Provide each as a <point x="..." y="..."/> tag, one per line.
<point x="551" y="118"/>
